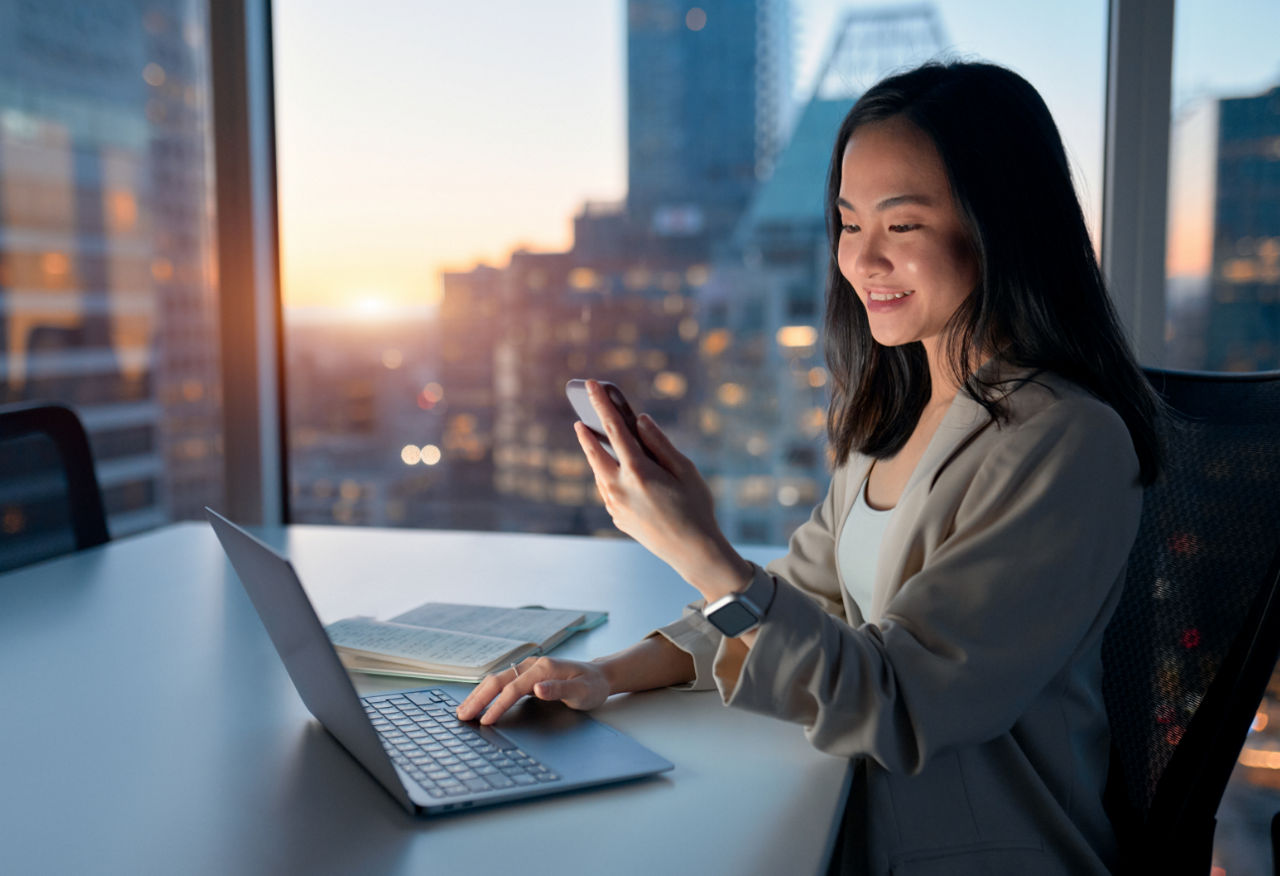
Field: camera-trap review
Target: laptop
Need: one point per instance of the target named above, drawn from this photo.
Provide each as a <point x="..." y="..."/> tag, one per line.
<point x="411" y="741"/>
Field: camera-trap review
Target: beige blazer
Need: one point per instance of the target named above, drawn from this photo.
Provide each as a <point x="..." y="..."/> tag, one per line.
<point x="973" y="703"/>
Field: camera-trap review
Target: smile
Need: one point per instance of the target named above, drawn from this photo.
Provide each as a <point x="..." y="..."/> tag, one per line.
<point x="889" y="296"/>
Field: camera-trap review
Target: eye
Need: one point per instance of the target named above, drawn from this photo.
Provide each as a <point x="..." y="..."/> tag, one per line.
<point x="849" y="229"/>
<point x="902" y="228"/>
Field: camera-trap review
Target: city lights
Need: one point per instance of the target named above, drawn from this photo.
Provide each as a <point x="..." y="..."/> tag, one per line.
<point x="715" y="342"/>
<point x="583" y="279"/>
<point x="758" y="444"/>
<point x="55" y="263"/>
<point x="153" y="75"/>
<point x="1260" y="759"/>
<point x="731" y="394"/>
<point x="797" y="336"/>
<point x="670" y="384"/>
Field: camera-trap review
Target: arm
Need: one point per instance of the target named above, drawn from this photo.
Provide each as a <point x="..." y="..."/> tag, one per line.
<point x="809" y="566"/>
<point x="1027" y="574"/>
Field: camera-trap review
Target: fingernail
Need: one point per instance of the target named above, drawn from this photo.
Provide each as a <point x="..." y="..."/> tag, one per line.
<point x="646" y="421"/>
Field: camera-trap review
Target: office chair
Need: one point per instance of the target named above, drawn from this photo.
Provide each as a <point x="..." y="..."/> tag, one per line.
<point x="1196" y="635"/>
<point x="50" y="503"/>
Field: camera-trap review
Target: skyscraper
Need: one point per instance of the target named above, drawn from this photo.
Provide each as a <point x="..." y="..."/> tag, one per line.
<point x="1243" y="331"/>
<point x="707" y="89"/>
<point x="105" y="242"/>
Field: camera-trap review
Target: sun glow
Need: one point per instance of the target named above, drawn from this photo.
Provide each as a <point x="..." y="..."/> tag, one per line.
<point x="369" y="305"/>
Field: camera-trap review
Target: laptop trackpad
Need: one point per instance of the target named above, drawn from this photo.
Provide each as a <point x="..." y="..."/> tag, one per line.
<point x="574" y="744"/>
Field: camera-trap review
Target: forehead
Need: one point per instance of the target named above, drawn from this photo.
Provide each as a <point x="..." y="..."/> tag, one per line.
<point x="889" y="158"/>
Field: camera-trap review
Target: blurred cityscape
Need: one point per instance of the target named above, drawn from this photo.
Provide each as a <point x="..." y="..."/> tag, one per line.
<point x="107" y="299"/>
<point x="700" y="294"/>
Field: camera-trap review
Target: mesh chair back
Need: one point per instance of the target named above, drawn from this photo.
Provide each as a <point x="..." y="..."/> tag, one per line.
<point x="1194" y="639"/>
<point x="50" y="503"/>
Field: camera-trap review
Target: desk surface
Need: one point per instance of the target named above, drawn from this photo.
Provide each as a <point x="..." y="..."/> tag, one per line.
<point x="149" y="726"/>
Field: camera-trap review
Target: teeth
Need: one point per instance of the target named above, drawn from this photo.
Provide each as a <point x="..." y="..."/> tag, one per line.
<point x="889" y="296"/>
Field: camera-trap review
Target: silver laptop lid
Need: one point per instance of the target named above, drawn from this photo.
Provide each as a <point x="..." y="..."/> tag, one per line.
<point x="300" y="640"/>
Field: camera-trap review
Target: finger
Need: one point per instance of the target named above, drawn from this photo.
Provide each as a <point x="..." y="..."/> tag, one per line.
<point x="482" y="693"/>
<point x="477" y="695"/>
<point x="657" y="441"/>
<point x="623" y="441"/>
<point x="518" y="687"/>
<point x="597" y="457"/>
<point x="552" y="689"/>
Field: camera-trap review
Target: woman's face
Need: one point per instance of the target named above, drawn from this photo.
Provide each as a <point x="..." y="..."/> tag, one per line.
<point x="903" y="246"/>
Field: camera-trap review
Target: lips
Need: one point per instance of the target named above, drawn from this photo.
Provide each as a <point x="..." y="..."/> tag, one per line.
<point x="885" y="300"/>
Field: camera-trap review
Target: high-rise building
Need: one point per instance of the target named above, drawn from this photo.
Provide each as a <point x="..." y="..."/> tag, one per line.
<point x="707" y="100"/>
<point x="762" y="420"/>
<point x="1243" y="331"/>
<point x="106" y="291"/>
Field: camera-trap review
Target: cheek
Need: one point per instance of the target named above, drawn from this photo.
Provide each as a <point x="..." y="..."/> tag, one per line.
<point x="844" y="260"/>
<point x="964" y="262"/>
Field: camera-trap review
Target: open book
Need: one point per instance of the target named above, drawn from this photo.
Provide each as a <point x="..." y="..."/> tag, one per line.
<point x="451" y="642"/>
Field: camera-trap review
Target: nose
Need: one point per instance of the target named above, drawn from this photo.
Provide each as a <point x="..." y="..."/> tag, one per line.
<point x="868" y="256"/>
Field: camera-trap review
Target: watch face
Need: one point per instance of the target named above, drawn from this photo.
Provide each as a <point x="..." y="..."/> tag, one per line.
<point x="733" y="619"/>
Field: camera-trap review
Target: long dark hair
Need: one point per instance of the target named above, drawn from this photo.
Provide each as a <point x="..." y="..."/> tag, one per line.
<point x="1040" y="300"/>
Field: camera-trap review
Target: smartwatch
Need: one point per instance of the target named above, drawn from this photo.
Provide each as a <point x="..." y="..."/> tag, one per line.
<point x="742" y="612"/>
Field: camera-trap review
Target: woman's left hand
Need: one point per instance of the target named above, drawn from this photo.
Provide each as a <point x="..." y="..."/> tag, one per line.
<point x="664" y="505"/>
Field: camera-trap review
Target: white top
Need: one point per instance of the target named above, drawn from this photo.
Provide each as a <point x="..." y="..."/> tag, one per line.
<point x="858" y="548"/>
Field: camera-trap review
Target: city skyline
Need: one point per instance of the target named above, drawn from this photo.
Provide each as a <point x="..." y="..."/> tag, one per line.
<point x="379" y="196"/>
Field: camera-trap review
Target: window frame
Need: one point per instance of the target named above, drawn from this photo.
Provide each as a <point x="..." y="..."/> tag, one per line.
<point x="248" y="258"/>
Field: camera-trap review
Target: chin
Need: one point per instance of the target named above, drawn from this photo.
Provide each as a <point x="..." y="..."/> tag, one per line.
<point x="893" y="340"/>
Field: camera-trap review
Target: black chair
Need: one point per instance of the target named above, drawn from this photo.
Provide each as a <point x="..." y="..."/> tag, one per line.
<point x="50" y="503"/>
<point x="1196" y="636"/>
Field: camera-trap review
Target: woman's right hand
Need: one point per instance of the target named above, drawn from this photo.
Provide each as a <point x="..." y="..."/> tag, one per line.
<point x="577" y="685"/>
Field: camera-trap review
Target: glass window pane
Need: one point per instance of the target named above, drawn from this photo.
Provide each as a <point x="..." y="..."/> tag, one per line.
<point x="1223" y="288"/>
<point x="1223" y="251"/>
<point x="106" y="295"/>
<point x="474" y="213"/>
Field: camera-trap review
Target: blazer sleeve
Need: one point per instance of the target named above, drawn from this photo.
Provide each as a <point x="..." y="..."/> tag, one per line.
<point x="809" y="565"/>
<point x="1000" y="607"/>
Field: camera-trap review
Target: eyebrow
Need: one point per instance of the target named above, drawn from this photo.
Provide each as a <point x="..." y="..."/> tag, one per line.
<point x="895" y="201"/>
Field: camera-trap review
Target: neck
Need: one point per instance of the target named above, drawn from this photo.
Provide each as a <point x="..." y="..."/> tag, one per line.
<point x="942" y="379"/>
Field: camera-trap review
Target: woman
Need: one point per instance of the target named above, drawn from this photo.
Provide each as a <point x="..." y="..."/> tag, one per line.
<point x="939" y="618"/>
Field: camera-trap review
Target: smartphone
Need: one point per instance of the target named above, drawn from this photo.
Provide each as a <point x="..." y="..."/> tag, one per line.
<point x="576" y="390"/>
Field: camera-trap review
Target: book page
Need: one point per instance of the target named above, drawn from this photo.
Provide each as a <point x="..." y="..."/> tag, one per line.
<point x="442" y="647"/>
<point x="522" y="624"/>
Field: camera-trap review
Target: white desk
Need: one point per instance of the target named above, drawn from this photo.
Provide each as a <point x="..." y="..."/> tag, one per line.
<point x="149" y="727"/>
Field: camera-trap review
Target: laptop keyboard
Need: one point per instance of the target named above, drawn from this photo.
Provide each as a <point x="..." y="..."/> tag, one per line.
<point x="422" y="734"/>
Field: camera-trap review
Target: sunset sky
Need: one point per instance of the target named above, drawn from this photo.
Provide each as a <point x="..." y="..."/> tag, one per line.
<point x="422" y="135"/>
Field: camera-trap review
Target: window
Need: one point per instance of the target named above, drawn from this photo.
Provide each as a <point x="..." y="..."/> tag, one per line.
<point x="471" y="215"/>
<point x="1222" y="287"/>
<point x="106" y="298"/>
<point x="1223" y="250"/>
